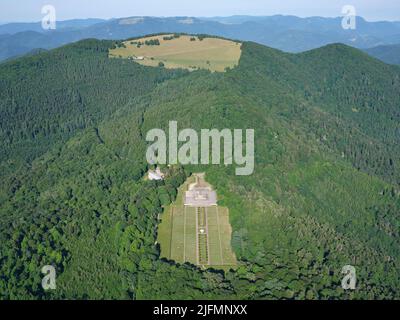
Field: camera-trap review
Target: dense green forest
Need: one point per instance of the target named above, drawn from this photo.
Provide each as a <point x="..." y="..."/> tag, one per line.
<point x="45" y="99"/>
<point x="324" y="194"/>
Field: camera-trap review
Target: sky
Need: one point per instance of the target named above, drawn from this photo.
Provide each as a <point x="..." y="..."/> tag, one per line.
<point x="30" y="10"/>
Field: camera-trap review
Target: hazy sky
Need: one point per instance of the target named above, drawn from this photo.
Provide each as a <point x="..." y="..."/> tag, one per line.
<point x="30" y="10"/>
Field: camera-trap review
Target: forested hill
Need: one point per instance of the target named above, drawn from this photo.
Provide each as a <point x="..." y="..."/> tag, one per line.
<point x="324" y="194"/>
<point x="46" y="98"/>
<point x="348" y="99"/>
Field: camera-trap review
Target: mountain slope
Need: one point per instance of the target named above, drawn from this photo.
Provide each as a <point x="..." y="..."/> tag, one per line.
<point x="309" y="208"/>
<point x="389" y="54"/>
<point x="47" y="98"/>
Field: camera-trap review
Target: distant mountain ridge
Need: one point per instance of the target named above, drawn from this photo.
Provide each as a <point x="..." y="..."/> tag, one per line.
<point x="287" y="33"/>
<point x="15" y="27"/>
<point x="388" y="53"/>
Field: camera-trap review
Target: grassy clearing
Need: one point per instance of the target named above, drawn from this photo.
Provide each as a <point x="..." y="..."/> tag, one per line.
<point x="214" y="238"/>
<point x="225" y="231"/>
<point x="190" y="236"/>
<point x="181" y="240"/>
<point x="187" y="52"/>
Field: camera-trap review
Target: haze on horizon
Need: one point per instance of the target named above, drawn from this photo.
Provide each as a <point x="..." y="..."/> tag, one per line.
<point x="371" y="10"/>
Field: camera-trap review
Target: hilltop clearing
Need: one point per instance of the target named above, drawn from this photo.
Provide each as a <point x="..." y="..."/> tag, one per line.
<point x="181" y="51"/>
